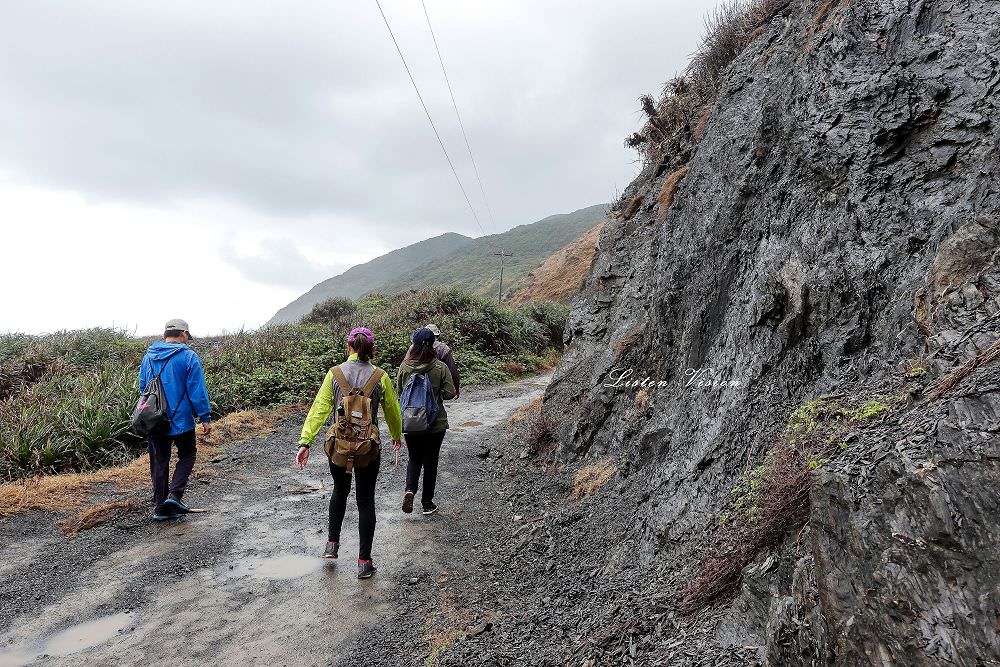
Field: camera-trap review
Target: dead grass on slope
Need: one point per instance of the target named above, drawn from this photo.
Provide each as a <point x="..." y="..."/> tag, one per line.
<point x="590" y="478"/>
<point x="561" y="276"/>
<point x="667" y="191"/>
<point x="530" y="409"/>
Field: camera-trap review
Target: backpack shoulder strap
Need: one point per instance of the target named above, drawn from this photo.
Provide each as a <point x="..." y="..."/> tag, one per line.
<point x="372" y="381"/>
<point x="338" y="375"/>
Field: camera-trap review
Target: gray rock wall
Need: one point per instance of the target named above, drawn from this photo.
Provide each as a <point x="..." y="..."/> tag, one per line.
<point x="838" y="219"/>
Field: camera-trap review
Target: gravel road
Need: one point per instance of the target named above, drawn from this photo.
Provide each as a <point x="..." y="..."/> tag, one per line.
<point x="243" y="583"/>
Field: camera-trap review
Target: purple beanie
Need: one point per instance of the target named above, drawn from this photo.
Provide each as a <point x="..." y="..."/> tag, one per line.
<point x="361" y="331"/>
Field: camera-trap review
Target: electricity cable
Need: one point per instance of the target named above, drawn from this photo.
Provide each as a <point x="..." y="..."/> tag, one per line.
<point x="430" y="119"/>
<point x="468" y="146"/>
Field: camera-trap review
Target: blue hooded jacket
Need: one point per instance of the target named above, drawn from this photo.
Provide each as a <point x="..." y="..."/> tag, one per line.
<point x="182" y="371"/>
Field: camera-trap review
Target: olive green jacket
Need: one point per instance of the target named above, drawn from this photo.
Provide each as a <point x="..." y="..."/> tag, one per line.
<point x="440" y="377"/>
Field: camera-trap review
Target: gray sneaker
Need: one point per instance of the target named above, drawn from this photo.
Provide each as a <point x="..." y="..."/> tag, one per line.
<point x="366" y="569"/>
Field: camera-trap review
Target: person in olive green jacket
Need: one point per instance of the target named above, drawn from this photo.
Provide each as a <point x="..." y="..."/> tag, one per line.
<point x="357" y="370"/>
<point x="425" y="447"/>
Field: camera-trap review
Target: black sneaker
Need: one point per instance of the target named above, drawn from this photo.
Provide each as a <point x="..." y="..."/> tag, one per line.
<point x="430" y="508"/>
<point x="174" y="503"/>
<point x="331" y="550"/>
<point x="366" y="568"/>
<point x="165" y="513"/>
<point x="408" y="502"/>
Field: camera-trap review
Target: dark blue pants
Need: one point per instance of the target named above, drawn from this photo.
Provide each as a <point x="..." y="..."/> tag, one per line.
<point x="423" y="449"/>
<point x="159" y="465"/>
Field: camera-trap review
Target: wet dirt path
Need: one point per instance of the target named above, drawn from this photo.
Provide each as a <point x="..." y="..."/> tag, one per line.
<point x="241" y="583"/>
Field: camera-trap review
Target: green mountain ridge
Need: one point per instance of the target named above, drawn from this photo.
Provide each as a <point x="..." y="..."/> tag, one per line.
<point x="361" y="279"/>
<point x="476" y="268"/>
<point x="452" y="260"/>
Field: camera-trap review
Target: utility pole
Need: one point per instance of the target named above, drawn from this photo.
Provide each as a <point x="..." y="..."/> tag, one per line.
<point x="501" y="255"/>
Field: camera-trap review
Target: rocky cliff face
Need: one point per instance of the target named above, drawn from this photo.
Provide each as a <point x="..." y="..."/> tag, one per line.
<point x="835" y="223"/>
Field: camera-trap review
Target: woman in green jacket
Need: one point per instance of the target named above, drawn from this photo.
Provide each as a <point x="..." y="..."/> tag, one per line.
<point x="357" y="371"/>
<point x="425" y="447"/>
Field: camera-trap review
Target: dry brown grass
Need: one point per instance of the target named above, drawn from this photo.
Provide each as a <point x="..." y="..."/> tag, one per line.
<point x="667" y="191"/>
<point x="95" y="516"/>
<point x="641" y="399"/>
<point x="532" y="408"/>
<point x="445" y="626"/>
<point x="560" y="277"/>
<point x="513" y="368"/>
<point x="591" y="478"/>
<point x="627" y="341"/>
<point x="699" y="128"/>
<point x="71" y="491"/>
<point x="631" y="208"/>
<point x="824" y="11"/>
<point x="986" y="356"/>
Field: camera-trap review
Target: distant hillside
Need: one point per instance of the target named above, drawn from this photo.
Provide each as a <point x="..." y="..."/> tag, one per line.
<point x="560" y="277"/>
<point x="361" y="279"/>
<point x="475" y="268"/>
<point x="453" y="260"/>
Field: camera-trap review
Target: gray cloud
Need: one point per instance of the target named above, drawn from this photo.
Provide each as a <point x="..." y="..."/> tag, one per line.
<point x="303" y="111"/>
<point x="277" y="261"/>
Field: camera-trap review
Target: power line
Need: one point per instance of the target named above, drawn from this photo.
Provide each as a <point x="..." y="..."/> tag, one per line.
<point x="465" y="136"/>
<point x="431" y="120"/>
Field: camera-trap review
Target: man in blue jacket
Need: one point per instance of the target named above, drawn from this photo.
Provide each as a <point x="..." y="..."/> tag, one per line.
<point x="184" y="385"/>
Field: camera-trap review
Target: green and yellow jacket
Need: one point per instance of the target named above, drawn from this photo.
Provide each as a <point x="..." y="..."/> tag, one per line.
<point x="440" y="377"/>
<point x="357" y="372"/>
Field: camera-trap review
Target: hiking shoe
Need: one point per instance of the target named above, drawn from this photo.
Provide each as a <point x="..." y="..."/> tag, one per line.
<point x="408" y="502"/>
<point x="174" y="503"/>
<point x="331" y="550"/>
<point x="430" y="508"/>
<point x="163" y="516"/>
<point x="366" y="569"/>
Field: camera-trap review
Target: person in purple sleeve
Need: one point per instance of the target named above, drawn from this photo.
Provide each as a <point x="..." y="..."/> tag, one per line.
<point x="443" y="352"/>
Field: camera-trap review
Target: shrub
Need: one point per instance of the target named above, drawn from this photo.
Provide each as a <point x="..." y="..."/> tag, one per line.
<point x="66" y="399"/>
<point x="681" y="111"/>
<point x="551" y="317"/>
<point x="772" y="498"/>
<point x="335" y="312"/>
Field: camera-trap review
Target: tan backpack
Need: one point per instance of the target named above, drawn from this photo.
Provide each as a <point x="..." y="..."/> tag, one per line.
<point x="353" y="439"/>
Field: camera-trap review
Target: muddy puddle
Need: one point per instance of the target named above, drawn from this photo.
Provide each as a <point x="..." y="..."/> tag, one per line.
<point x="67" y="642"/>
<point x="290" y="566"/>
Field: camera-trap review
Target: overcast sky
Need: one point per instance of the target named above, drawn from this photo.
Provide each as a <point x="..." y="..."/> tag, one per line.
<point x="213" y="160"/>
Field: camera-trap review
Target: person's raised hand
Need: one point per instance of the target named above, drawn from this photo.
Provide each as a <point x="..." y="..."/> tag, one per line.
<point x="396" y="445"/>
<point x="302" y="457"/>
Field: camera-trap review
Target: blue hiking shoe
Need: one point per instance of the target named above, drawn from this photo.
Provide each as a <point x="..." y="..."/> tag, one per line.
<point x="160" y="516"/>
<point x="173" y="503"/>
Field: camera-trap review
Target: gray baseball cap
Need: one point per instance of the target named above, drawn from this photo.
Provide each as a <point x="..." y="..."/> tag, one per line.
<point x="434" y="329"/>
<point x="177" y="324"/>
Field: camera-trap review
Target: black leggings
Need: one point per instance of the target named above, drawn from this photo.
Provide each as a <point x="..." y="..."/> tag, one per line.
<point x="424" y="449"/>
<point x="364" y="491"/>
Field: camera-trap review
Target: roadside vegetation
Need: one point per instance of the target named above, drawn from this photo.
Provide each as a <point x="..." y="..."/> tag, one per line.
<point x="678" y="118"/>
<point x="771" y="499"/>
<point x="66" y="398"/>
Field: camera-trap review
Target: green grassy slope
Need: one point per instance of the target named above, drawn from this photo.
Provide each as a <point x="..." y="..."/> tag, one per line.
<point x="473" y="267"/>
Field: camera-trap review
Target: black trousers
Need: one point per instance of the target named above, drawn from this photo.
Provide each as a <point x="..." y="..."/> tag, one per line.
<point x="159" y="465"/>
<point x="364" y="492"/>
<point x="424" y="450"/>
